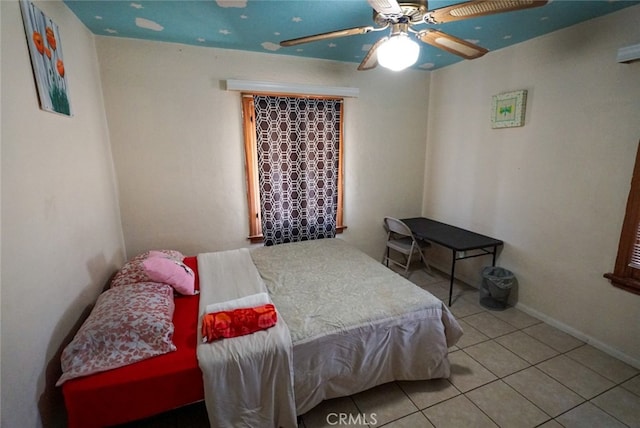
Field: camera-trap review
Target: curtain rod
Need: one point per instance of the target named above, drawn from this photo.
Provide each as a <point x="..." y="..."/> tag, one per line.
<point x="294" y="88"/>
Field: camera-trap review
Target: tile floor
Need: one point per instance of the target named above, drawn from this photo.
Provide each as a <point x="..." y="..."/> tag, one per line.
<point x="509" y="370"/>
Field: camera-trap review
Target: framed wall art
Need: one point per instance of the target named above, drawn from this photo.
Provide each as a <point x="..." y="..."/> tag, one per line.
<point x="47" y="61"/>
<point x="507" y="109"/>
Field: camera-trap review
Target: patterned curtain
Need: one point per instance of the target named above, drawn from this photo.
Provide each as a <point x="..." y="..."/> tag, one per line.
<point x="298" y="146"/>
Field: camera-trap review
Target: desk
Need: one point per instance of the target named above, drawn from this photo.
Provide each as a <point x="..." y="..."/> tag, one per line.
<point x="458" y="240"/>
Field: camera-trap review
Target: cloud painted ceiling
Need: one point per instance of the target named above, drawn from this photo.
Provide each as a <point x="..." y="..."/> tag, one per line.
<point x="259" y="25"/>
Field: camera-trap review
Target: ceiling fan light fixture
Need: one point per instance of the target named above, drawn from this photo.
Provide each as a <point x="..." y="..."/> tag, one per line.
<point x="398" y="52"/>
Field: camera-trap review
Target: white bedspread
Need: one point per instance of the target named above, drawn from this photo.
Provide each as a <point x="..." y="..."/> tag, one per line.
<point x="248" y="380"/>
<point x="354" y="323"/>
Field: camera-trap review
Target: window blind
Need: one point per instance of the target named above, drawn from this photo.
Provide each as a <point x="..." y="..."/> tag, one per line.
<point x="635" y="254"/>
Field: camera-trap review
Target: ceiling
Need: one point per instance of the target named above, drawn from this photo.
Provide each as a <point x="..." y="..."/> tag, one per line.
<point x="259" y="25"/>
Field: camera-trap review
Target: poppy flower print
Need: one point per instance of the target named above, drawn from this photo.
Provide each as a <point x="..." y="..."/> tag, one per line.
<point x="45" y="50"/>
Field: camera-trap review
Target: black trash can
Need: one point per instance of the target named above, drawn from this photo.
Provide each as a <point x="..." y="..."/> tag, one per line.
<point x="496" y="287"/>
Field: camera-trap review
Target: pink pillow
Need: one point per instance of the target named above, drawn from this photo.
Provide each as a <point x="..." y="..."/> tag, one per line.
<point x="133" y="271"/>
<point x="172" y="272"/>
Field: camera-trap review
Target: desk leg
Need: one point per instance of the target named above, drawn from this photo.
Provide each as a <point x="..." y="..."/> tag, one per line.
<point x="495" y="250"/>
<point x="453" y="269"/>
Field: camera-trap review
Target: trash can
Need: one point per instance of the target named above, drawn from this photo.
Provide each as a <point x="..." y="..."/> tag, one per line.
<point x="496" y="287"/>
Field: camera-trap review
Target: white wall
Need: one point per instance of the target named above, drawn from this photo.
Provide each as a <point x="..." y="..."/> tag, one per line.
<point x="554" y="190"/>
<point x="61" y="233"/>
<point x="178" y="145"/>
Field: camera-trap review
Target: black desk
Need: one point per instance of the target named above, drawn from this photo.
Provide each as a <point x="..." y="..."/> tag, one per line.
<point x="458" y="240"/>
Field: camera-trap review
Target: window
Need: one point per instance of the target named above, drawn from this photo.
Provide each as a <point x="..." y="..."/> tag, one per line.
<point x="626" y="273"/>
<point x="293" y="149"/>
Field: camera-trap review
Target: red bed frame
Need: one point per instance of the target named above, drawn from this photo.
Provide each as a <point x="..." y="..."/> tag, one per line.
<point x="145" y="388"/>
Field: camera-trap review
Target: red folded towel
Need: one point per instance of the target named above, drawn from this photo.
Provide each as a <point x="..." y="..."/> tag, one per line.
<point x="238" y="322"/>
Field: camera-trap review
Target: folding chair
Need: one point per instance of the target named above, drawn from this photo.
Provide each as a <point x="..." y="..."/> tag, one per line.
<point x="400" y="239"/>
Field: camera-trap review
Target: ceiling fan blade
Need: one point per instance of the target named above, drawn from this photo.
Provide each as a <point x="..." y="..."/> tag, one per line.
<point x="472" y="9"/>
<point x="371" y="59"/>
<point x="329" y="35"/>
<point x="451" y="44"/>
<point x="387" y="7"/>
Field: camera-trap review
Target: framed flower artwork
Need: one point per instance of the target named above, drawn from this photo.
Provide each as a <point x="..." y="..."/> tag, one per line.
<point x="45" y="49"/>
<point x="507" y="109"/>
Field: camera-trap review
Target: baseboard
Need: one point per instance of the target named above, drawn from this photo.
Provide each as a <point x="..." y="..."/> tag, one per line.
<point x="634" y="362"/>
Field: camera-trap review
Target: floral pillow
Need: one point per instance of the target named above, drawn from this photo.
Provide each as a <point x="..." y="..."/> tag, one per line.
<point x="128" y="324"/>
<point x="171" y="254"/>
<point x="133" y="271"/>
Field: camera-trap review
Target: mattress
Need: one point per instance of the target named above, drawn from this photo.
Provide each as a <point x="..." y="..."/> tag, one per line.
<point x="147" y="387"/>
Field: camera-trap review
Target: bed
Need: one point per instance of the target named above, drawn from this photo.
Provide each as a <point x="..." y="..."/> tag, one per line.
<point x="345" y="324"/>
<point x="350" y="324"/>
<point x="145" y="388"/>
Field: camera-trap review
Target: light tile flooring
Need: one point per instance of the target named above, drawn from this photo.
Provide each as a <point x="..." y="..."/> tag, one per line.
<point x="508" y="370"/>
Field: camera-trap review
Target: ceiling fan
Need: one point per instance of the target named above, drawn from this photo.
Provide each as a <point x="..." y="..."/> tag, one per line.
<point x="398" y="50"/>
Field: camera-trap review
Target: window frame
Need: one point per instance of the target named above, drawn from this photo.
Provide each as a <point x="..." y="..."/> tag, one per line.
<point x="625" y="276"/>
<point x="251" y="161"/>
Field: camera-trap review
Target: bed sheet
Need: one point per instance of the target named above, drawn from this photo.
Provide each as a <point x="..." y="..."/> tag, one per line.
<point x="145" y="388"/>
